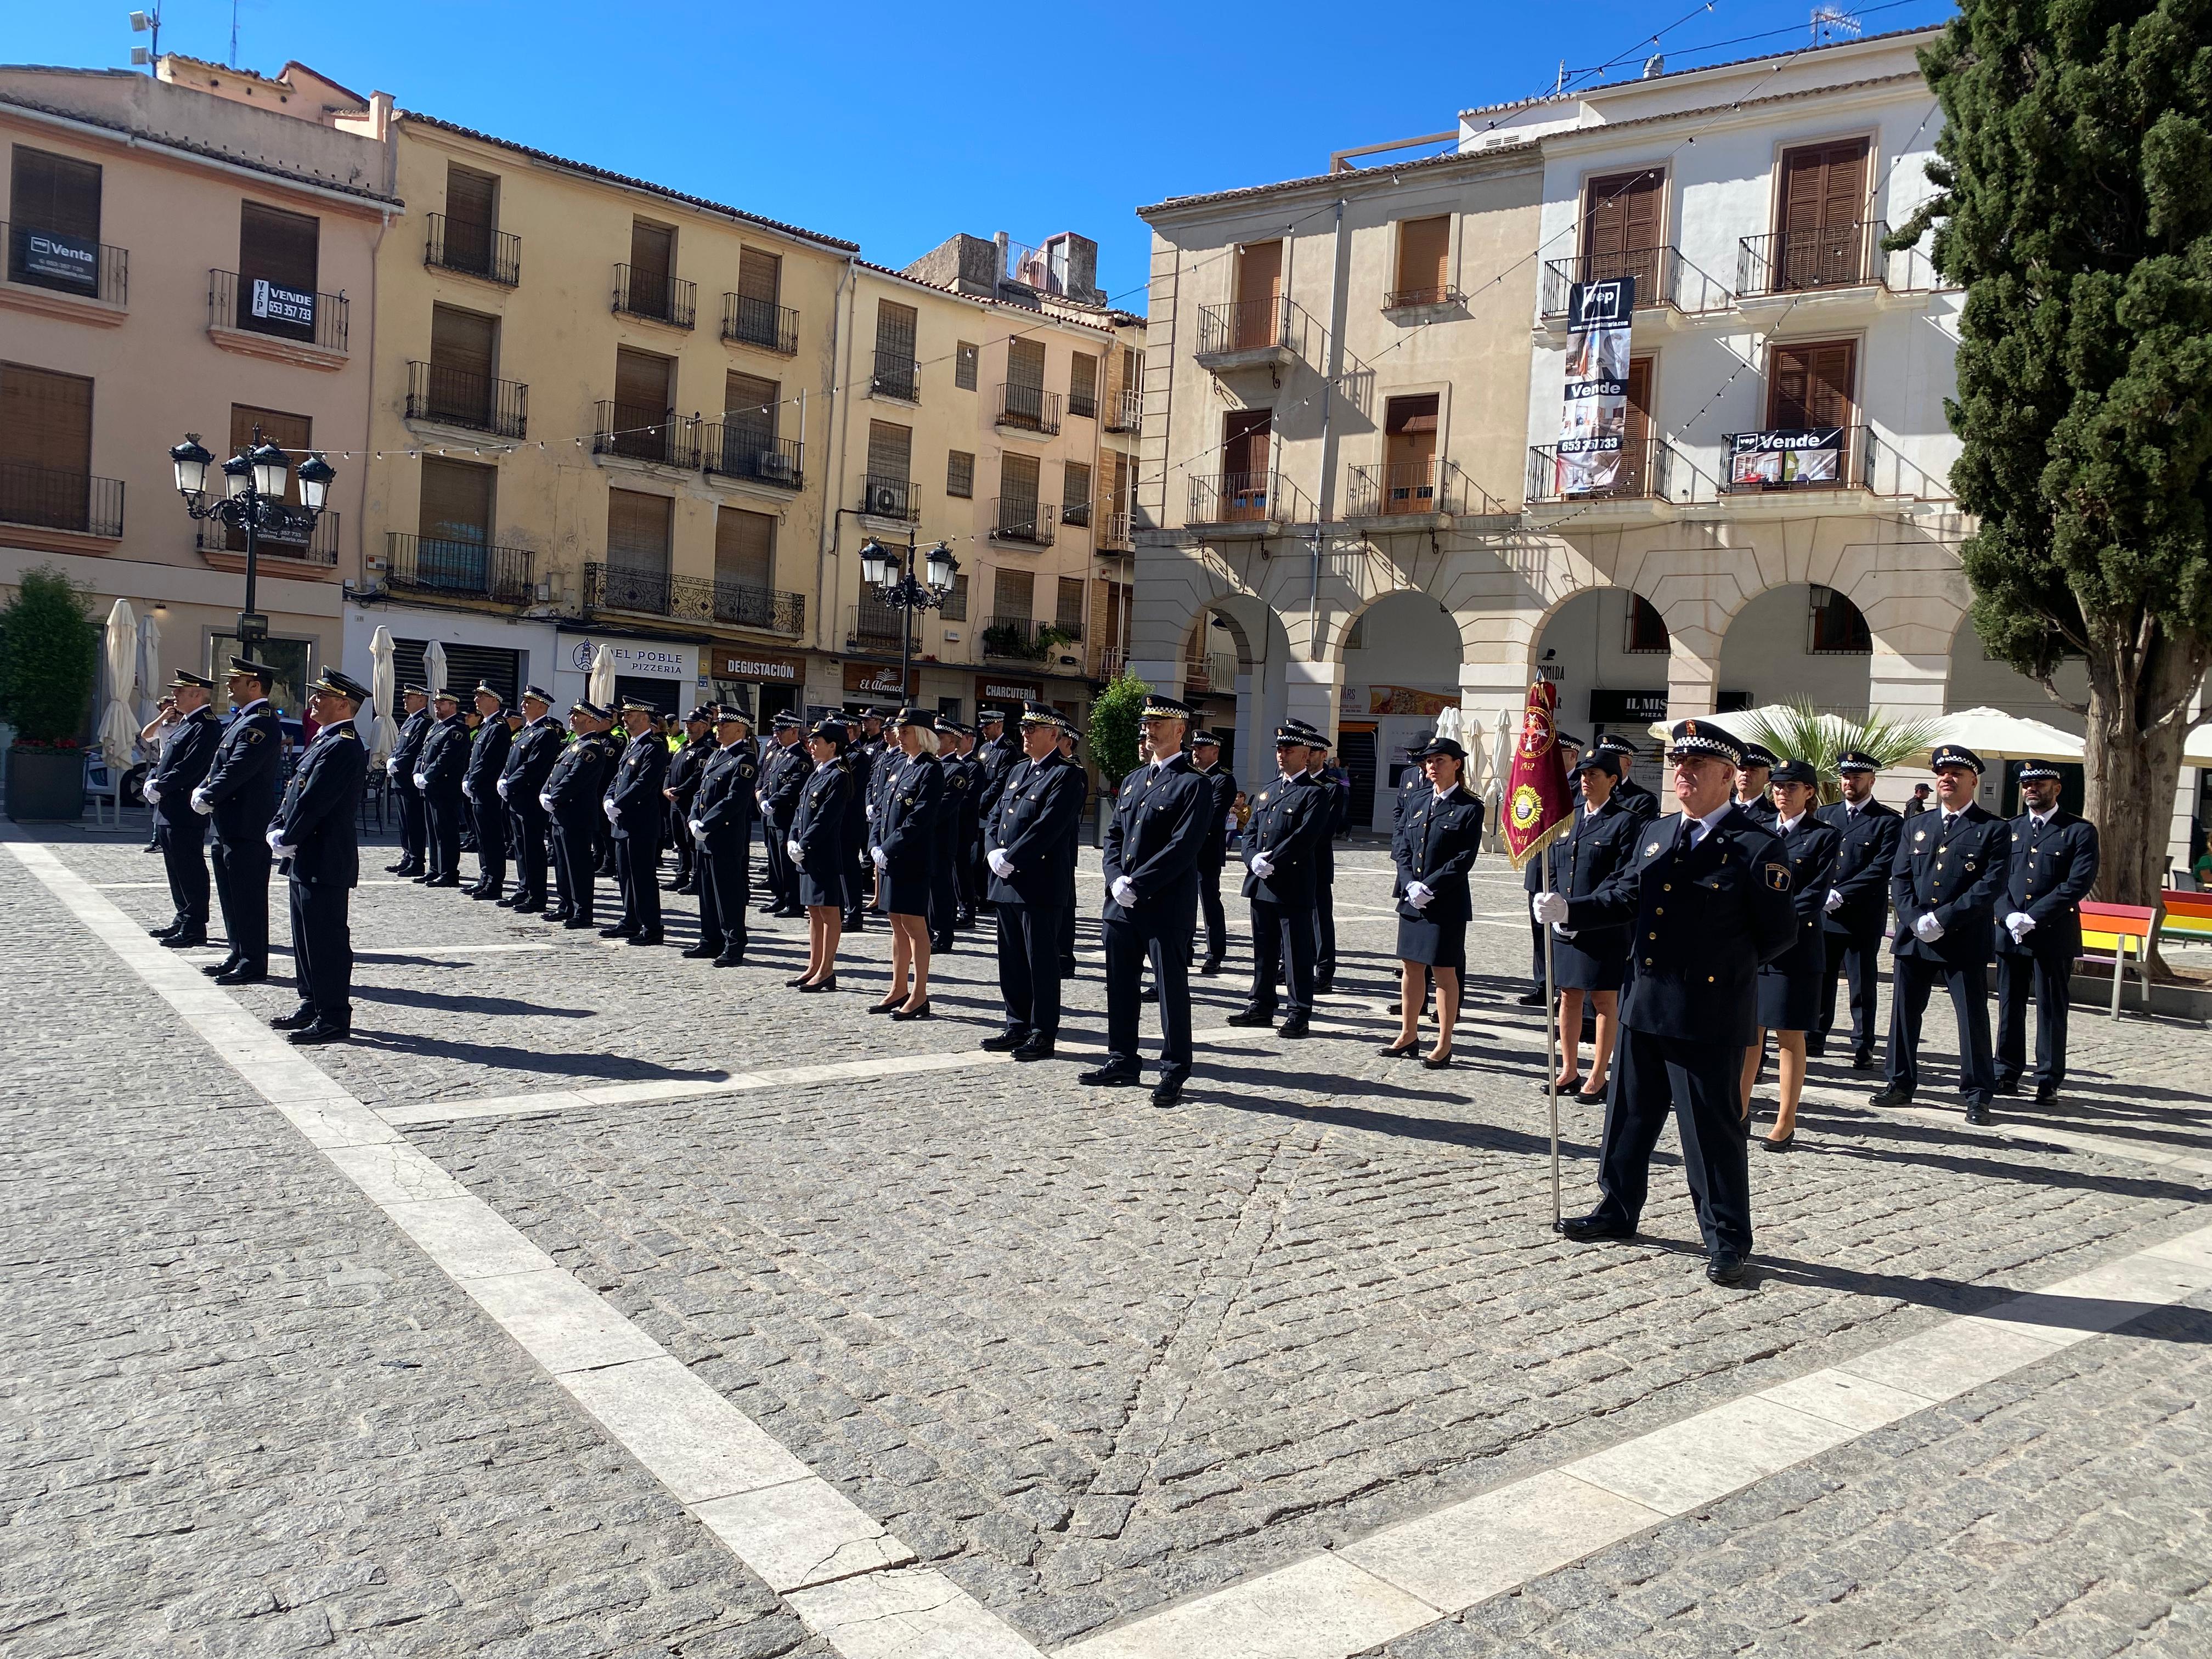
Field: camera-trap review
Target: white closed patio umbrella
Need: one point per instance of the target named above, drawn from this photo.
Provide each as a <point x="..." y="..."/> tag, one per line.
<point x="599" y="689"/>
<point x="1995" y="735"/>
<point x="375" y="721"/>
<point x="433" y="668"/>
<point x="2197" y="750"/>
<point x="149" y="667"/>
<point x="118" y="729"/>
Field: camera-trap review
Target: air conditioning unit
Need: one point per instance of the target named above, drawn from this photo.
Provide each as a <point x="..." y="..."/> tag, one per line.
<point x="772" y="464"/>
<point x="885" y="503"/>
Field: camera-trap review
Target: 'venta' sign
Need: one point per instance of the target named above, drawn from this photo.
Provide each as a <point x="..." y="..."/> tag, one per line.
<point x="1594" y="423"/>
<point x="278" y="304"/>
<point x="42" y="255"/>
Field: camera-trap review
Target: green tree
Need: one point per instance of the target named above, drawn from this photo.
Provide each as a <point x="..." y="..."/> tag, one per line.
<point x="2074" y="207"/>
<point x="49" y="658"/>
<point x="1114" y="727"/>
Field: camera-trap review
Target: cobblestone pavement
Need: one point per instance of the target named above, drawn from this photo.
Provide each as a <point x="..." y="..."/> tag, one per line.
<point x="1083" y="1355"/>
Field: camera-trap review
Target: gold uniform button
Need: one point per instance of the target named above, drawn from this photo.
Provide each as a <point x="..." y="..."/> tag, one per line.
<point x="1708" y="979"/>
<point x="1647" y="962"/>
<point x="1659" y="910"/>
<point x="1666" y="886"/>
<point x="1651" y="936"/>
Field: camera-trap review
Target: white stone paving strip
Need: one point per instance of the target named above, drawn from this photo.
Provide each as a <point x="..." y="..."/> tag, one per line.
<point x="1343" y="1601"/>
<point x="2013" y="1125"/>
<point x="793" y="1528"/>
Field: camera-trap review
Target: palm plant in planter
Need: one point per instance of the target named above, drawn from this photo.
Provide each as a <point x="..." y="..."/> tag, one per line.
<point x="1796" y="730"/>
<point x="49" y="658"/>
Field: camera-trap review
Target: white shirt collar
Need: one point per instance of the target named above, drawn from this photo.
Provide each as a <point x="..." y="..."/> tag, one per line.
<point x="1788" y="824"/>
<point x="2043" y="818"/>
<point x="1447" y="791"/>
<point x="1706" y="824"/>
<point x="251" y="707"/>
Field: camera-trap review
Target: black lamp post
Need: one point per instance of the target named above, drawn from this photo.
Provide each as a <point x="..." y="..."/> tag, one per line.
<point x="893" y="575"/>
<point x="252" y="501"/>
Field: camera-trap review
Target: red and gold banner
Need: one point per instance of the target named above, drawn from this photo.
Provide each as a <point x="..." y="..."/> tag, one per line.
<point x="1539" y="806"/>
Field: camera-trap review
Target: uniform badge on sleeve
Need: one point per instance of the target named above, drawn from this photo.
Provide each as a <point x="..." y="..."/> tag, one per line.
<point x="1777" y="877"/>
<point x="1652" y="848"/>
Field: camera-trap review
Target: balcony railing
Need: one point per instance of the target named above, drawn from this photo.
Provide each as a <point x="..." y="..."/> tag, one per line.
<point x="1792" y="261"/>
<point x="657" y="299"/>
<point x="458" y="569"/>
<point x="1246" y="498"/>
<point x="693" y="598"/>
<point x="1274" y="324"/>
<point x="883" y="496"/>
<point x="1029" y="409"/>
<point x="473" y="249"/>
<point x="1114" y="531"/>
<point x="1664" y="277"/>
<point x="896" y="375"/>
<point x="750" y="449"/>
<point x="1886" y="471"/>
<point x="1076" y="512"/>
<point x="1817" y="458"/>
<point x="872" y="625"/>
<point x="1217" y="672"/>
<point x="1413" y="488"/>
<point x="293" y="538"/>
<point x="1400" y="298"/>
<point x="1124" y="410"/>
<point x="1022" y="520"/>
<point x="1083" y="405"/>
<point x="46" y="498"/>
<point x="261" y="307"/>
<point x="639" y="433"/>
<point x="456" y="397"/>
<point x="761" y="323"/>
<point x="43" y="259"/>
<point x="1025" y="640"/>
<point x="1644" y="468"/>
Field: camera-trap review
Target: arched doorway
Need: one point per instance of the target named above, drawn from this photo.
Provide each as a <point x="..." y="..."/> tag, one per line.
<point x="1798" y="642"/>
<point x="1401" y="660"/>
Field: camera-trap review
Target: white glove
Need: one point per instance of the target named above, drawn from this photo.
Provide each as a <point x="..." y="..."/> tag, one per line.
<point x="612" y="810"/>
<point x="1927" y="930"/>
<point x="1550" y="909"/>
<point x="798" y="853"/>
<point x="883" y="859"/>
<point x="872" y="812"/>
<point x="698" y="831"/>
<point x="422" y="779"/>
<point x="1125" y="892"/>
<point x="502" y="787"/>
<point x="1261" y="866"/>
<point x="1002" y="866"/>
<point x="545" y="802"/>
<point x="274" y="837"/>
<point x="201" y="804"/>
<point x="391" y="766"/>
<point x="470" y="790"/>
<point x="1419" y="894"/>
<point x="1835" y="901"/>
<point x="2020" y="924"/>
<point x="151" y="791"/>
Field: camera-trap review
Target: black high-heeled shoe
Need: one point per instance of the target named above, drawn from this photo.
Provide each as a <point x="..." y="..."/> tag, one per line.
<point x="1592" y="1096"/>
<point x="1398" y="1050"/>
<point x="922" y="1012"/>
<point x="796" y="981"/>
<point x="1437" y="1062"/>
<point x="828" y="984"/>
<point x="890" y="1007"/>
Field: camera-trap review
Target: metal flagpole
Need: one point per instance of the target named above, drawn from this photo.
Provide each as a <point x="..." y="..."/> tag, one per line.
<point x="1552" y="1039"/>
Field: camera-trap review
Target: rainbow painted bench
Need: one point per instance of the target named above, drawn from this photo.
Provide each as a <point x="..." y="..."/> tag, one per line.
<point x="2188" y="915"/>
<point x="2112" y="928"/>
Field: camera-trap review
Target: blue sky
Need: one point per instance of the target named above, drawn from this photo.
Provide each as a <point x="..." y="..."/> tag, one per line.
<point x="895" y="126"/>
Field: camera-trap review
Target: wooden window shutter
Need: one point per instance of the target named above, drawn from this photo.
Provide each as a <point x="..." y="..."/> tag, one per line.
<point x="1075" y="487"/>
<point x="960" y="474"/>
<point x="456" y="501"/>
<point x="1424" y="253"/>
<point x="1067" y="613"/>
<point x="1082" y="379"/>
<point x="760" y="275"/>
<point x="1811" y="385"/>
<point x="1013" y="594"/>
<point x="1017" y="477"/>
<point x="891" y="450"/>
<point x="965" y="358"/>
<point x="637" y="530"/>
<point x="276" y="246"/>
<point x="463" y="342"/>
<point x="1260" y="273"/>
<point x="1025" y="363"/>
<point x="56" y="193"/>
<point x="1117" y="485"/>
<point x="894" y="329"/>
<point x="955" y="608"/>
<point x="752" y="403"/>
<point x="744" y="548"/>
<point x="652" y="258"/>
<point x="293" y="434"/>
<point x="472" y="198"/>
<point x="642" y="385"/>
<point x="46" y="421"/>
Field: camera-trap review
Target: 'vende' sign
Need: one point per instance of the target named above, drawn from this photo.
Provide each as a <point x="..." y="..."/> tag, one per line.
<point x="278" y="304"/>
<point x="1594" y="419"/>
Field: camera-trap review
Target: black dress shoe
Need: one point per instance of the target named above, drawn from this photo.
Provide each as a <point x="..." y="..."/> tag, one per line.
<point x="620" y="930"/>
<point x="1166" y="1093"/>
<point x="557" y="912"/>
<point x="2046" y="1094"/>
<point x="443" y="881"/>
<point x="888" y="1006"/>
<point x="1109" y="1077"/>
<point x="1004" y="1043"/>
<point x="1531" y="999"/>
<point x="1891" y="1096"/>
<point x="531" y="907"/>
<point x="404" y="868"/>
<point x="647" y="939"/>
<point x="1781" y="1145"/>
<point x="1725" y="1268"/>
<point x="1977" y="1114"/>
<point x="163" y="933"/>
<point x="245" y="973"/>
<point x="183" y="941"/>
<point x="703" y="952"/>
<point x="1588" y="1228"/>
<point x="1437" y="1062"/>
<point x="1294" y="1027"/>
<point x="1325" y="986"/>
<point x="2005" y="1085"/>
<point x="1862" y="1061"/>
<point x="1036" y="1048"/>
<point x="1815" y="1050"/>
<point x="1207" y="969"/>
<point x="212" y="969"/>
<point x="508" y="902"/>
<point x="795" y="983"/>
<point x="922" y="1012"/>
<point x="318" y="1034"/>
<point x="487" y="893"/>
<point x="828" y="984"/>
<point x="1252" y="1014"/>
<point x="731" y="959"/>
<point x="577" y="923"/>
<point x="298" y="1020"/>
<point x="1149" y="993"/>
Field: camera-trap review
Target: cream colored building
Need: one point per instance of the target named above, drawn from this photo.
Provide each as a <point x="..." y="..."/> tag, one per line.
<point x="142" y="210"/>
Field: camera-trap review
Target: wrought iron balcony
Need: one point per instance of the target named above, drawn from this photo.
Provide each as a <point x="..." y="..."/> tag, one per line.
<point x="1664" y="277"/>
<point x="896" y="375"/>
<point x="293" y="538"/>
<point x="1029" y="409"/>
<point x="750" y="449"/>
<point x="1076" y="512"/>
<point x="1250" y="331"/>
<point x="1415" y="489"/>
<point x="760" y="322"/>
<point x="638" y="433"/>
<point x="1025" y="640"/>
<point x="42" y="259"/>
<point x="1253" y="498"/>
<point x="657" y="299"/>
<point x="883" y="496"/>
<point x="1083" y="404"/>
<point x="455" y="397"/>
<point x="1399" y="299"/>
<point x="47" y="498"/>
<point x="458" y="569"/>
<point x="1124" y="410"/>
<point x="693" y="600"/>
<point x="473" y="249"/>
<point x="1022" y="520"/>
<point x="258" y="308"/>
<point x="1647" y="469"/>
<point x="1793" y="261"/>
<point x="872" y="625"/>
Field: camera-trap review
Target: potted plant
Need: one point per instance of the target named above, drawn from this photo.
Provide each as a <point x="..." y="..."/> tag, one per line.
<point x="49" y="660"/>
<point x="1796" y="730"/>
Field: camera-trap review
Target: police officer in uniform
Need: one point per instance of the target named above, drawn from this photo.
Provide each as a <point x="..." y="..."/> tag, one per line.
<point x="239" y="793"/>
<point x="865" y="772"/>
<point x="2053" y="866"/>
<point x="1151" y="865"/>
<point x="1040" y="803"/>
<point x="1340" y="817"/>
<point x="723" y="804"/>
<point x="187" y="752"/>
<point x="1071" y="849"/>
<point x="958" y="750"/>
<point x="998" y="753"/>
<point x="1708" y="896"/>
<point x="684" y="766"/>
<point x="315" y="836"/>
<point x="784" y="772"/>
<point x="488" y="753"/>
<point x="1752" y="781"/>
<point x="948" y="850"/>
<point x="636" y="813"/>
<point x="1282" y="849"/>
<point x="572" y="798"/>
<point x="1857" y="903"/>
<point x="439" y="771"/>
<point x="529" y="762"/>
<point x="1635" y="799"/>
<point x="399" y="771"/>
<point x="1205" y="760"/>
<point x="1948" y="875"/>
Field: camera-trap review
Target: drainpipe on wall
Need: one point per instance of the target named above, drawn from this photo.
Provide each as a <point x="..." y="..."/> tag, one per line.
<point x="1328" y="371"/>
<point x="825" y="562"/>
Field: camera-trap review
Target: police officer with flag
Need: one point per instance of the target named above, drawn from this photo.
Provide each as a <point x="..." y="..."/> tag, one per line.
<point x="2053" y="866"/>
<point x="1708" y="896"/>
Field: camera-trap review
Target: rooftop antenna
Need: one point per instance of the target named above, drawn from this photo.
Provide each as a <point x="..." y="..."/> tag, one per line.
<point x="234" y="34"/>
<point x="1561" y="86"/>
<point x="144" y="23"/>
<point x="1831" y="24"/>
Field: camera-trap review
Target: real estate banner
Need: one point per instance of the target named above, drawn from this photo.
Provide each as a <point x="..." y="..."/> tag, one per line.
<point x="1594" y="424"/>
<point x="1786" y="456"/>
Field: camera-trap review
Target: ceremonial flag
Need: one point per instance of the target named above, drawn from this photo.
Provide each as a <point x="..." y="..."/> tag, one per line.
<point x="1539" y="805"/>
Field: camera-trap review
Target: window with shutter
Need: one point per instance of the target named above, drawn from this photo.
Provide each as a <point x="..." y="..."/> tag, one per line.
<point x="53" y="234"/>
<point x="1082" y="384"/>
<point x="889" y="450"/>
<point x="760" y="275"/>
<point x="955" y="608"/>
<point x="1259" y="286"/>
<point x="1620" y="230"/>
<point x="1067" y="613"/>
<point x="1025" y="363"/>
<point x="1634" y="476"/>
<point x="464" y="351"/>
<point x="1822" y="240"/>
<point x="1409" y="455"/>
<point x="744" y="548"/>
<point x="283" y="250"/>
<point x="294" y="436"/>
<point x="1075" y="494"/>
<point x="1245" y="457"/>
<point x="1424" y="259"/>
<point x="638" y="532"/>
<point x="644" y="386"/>
<point x="754" y="404"/>
<point x="471" y="217"/>
<point x="894" y="329"/>
<point x="960" y="474"/>
<point x="965" y="360"/>
<point x="45" y="448"/>
<point x="453" y="525"/>
<point x="1018" y="477"/>
<point x="652" y="264"/>
<point x="1811" y="385"/>
<point x="1013" y="592"/>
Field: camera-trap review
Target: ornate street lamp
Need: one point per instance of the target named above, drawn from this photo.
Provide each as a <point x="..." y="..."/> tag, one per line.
<point x="252" y="502"/>
<point x="892" y="574"/>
